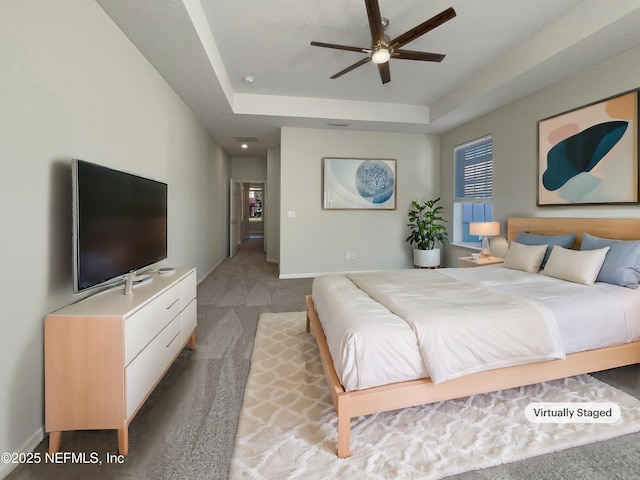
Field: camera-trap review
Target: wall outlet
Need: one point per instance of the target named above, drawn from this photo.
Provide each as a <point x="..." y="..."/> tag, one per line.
<point x="350" y="256"/>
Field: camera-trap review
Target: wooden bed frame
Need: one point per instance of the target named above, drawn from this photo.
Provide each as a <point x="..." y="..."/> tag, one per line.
<point x="418" y="392"/>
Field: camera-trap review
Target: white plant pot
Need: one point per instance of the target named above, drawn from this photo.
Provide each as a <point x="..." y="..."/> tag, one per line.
<point x="426" y="258"/>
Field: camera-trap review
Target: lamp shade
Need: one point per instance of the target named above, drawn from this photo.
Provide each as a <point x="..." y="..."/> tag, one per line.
<point x="484" y="229"/>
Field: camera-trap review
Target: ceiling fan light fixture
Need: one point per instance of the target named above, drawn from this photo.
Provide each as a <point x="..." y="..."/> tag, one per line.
<point x="383" y="48"/>
<point x="380" y="55"/>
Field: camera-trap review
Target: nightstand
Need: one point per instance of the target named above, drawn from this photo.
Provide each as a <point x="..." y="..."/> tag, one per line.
<point x="480" y="262"/>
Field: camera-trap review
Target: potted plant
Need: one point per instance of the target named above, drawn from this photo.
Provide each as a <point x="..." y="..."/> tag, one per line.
<point x="427" y="230"/>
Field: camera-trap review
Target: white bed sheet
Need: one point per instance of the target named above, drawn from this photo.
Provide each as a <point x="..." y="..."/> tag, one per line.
<point x="464" y="328"/>
<point x="371" y="346"/>
<point x="588" y="317"/>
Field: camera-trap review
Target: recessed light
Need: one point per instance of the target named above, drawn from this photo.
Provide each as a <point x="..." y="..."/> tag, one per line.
<point x="244" y="145"/>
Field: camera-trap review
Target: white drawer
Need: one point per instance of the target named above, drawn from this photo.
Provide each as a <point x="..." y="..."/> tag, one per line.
<point x="188" y="289"/>
<point x="141" y="327"/>
<point x="142" y="374"/>
<point x="189" y="318"/>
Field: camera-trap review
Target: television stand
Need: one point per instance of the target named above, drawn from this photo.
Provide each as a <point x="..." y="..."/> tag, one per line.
<point x="105" y="354"/>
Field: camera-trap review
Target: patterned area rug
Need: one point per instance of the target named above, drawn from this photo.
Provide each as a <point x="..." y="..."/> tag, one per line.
<point x="288" y="426"/>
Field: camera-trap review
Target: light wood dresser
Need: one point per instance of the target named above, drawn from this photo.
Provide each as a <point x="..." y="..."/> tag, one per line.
<point x="105" y="354"/>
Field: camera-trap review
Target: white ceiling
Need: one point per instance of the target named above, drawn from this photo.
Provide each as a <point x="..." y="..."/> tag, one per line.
<point x="496" y="52"/>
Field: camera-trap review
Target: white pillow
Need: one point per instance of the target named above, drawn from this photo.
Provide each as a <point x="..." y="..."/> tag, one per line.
<point x="580" y="266"/>
<point x="525" y="257"/>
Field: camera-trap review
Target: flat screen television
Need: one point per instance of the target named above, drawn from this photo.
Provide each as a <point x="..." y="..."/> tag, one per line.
<point x="119" y="224"/>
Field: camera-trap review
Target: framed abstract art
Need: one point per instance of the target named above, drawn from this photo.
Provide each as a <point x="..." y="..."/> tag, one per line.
<point x="358" y="183"/>
<point x="589" y="155"/>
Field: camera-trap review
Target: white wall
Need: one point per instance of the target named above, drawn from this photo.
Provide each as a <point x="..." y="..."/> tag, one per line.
<point x="249" y="169"/>
<point x="198" y="178"/>
<point x="316" y="240"/>
<point x="514" y="130"/>
<point x="72" y="85"/>
<point x="272" y="197"/>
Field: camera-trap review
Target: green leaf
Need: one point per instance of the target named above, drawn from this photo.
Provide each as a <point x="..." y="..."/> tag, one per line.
<point x="426" y="225"/>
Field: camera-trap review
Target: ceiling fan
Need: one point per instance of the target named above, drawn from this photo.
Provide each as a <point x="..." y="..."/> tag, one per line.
<point x="382" y="49"/>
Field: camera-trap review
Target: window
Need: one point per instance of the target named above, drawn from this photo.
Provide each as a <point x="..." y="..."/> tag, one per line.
<point x="473" y="177"/>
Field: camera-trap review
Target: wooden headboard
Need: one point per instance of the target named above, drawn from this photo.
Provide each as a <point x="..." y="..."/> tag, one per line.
<point x="615" y="228"/>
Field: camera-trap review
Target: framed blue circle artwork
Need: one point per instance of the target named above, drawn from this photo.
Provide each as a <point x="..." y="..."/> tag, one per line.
<point x="359" y="183"/>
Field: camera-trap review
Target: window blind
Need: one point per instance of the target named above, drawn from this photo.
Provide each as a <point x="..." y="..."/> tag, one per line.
<point x="474" y="169"/>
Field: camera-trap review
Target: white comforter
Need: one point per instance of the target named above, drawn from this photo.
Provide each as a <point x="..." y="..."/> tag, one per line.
<point x="373" y="346"/>
<point x="463" y="328"/>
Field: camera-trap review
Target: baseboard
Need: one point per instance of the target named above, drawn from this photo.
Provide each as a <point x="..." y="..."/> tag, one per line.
<point x="28" y="446"/>
<point x="273" y="260"/>
<point x="210" y="271"/>
<point x="297" y="275"/>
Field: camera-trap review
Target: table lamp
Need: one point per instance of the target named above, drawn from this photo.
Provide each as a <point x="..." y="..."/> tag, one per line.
<point x="484" y="230"/>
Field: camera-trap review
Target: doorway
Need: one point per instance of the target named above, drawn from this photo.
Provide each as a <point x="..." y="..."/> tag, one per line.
<point x="254" y="205"/>
<point x="247" y="211"/>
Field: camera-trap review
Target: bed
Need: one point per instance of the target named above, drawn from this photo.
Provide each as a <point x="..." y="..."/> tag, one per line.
<point x="404" y="380"/>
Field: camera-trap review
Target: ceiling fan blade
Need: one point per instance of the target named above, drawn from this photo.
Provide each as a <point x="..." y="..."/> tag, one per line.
<point x="352" y="67"/>
<point x="375" y="21"/>
<point x="385" y="72"/>
<point x="340" y="47"/>
<point x="423" y="56"/>
<point x="423" y="28"/>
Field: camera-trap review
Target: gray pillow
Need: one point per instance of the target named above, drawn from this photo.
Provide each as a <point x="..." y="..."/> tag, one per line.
<point x="622" y="263"/>
<point x="564" y="241"/>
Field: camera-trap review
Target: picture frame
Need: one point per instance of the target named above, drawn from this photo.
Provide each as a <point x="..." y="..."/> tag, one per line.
<point x="589" y="156"/>
<point x="358" y="183"/>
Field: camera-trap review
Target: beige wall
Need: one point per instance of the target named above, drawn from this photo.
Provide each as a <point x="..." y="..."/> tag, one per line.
<point x="514" y="130"/>
<point x="249" y="169"/>
<point x="272" y="198"/>
<point x="316" y="240"/>
<point x="72" y="85"/>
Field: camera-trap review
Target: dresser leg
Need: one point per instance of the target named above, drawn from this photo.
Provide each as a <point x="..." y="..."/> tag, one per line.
<point x="192" y="341"/>
<point x="54" y="441"/>
<point x="123" y="441"/>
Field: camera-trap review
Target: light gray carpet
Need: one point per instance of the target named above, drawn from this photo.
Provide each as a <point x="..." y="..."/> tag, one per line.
<point x="187" y="428"/>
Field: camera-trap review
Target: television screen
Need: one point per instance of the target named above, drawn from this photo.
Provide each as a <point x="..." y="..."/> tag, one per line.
<point x="119" y="223"/>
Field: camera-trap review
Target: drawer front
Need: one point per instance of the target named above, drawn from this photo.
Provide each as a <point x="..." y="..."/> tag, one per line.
<point x="143" y="373"/>
<point x="188" y="289"/>
<point x="141" y="327"/>
<point x="189" y="318"/>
